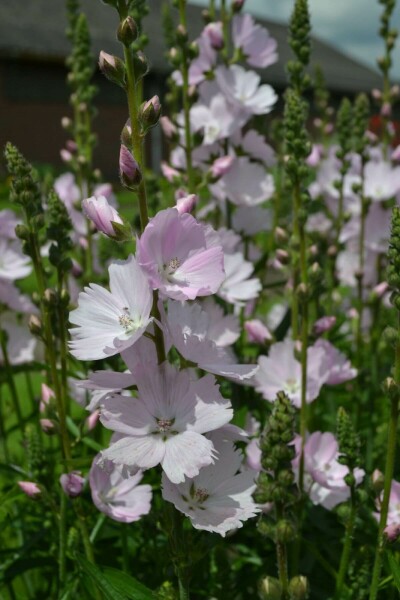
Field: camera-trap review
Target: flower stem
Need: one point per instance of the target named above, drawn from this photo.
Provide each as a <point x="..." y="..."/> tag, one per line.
<point x="389" y="469"/>
<point x="186" y="103"/>
<point x="345" y="557"/>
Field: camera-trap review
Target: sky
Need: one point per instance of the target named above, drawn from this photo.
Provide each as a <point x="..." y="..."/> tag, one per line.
<point x="350" y="25"/>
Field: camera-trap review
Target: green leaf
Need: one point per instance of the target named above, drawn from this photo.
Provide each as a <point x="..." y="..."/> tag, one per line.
<point x="128" y="585"/>
<point x="394" y="567"/>
<point x="115" y="584"/>
<point x="97" y="577"/>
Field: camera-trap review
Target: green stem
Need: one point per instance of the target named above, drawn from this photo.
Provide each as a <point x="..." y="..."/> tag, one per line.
<point x="62" y="542"/>
<point x="389" y="469"/>
<point x="186" y="103"/>
<point x="124" y="544"/>
<point x="281" y="555"/>
<point x="344" y="560"/>
<point x="11" y="382"/>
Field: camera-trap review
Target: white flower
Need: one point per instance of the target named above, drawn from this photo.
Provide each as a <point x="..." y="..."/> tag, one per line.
<point x="13" y="264"/>
<point x="108" y="322"/>
<point x="237" y="288"/>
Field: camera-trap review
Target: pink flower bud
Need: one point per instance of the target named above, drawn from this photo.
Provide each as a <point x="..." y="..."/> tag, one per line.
<point x="150" y="111"/>
<point x="257" y="332"/>
<point x="396" y="154"/>
<point x="29" y="488"/>
<point x="386" y="109"/>
<point x="66" y="122"/>
<point x="46" y="394"/>
<point x="168" y="127"/>
<point x="237" y="5"/>
<point x="128" y="169"/>
<point x="71" y="145"/>
<point x="215" y="35"/>
<point x="72" y="483"/>
<point x="392" y="531"/>
<point x="76" y="268"/>
<point x="282" y="256"/>
<point x="221" y="166"/>
<point x="169" y="172"/>
<point x="380" y="290"/>
<point x="395" y="91"/>
<point x="376" y="94"/>
<point x="102" y="214"/>
<point x="323" y="324"/>
<point x="315" y="155"/>
<point x="92" y="420"/>
<point x="47" y="426"/>
<point x="65" y="155"/>
<point x="113" y="68"/>
<point x="328" y="128"/>
<point x="186" y="204"/>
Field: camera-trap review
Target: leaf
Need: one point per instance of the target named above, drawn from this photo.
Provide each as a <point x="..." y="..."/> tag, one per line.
<point x="97" y="577"/>
<point x="131" y="587"/>
<point x="115" y="584"/>
<point x="395" y="568"/>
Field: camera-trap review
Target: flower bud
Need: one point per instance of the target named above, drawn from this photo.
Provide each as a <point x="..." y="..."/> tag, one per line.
<point x="92" y="420"/>
<point x="298" y="588"/>
<point x="113" y="68"/>
<point x="270" y="589"/>
<point x="126" y="134"/>
<point x="280" y="235"/>
<point x="76" y="269"/>
<point x="283" y="256"/>
<point x="186" y="204"/>
<point x="127" y="31"/>
<point x="72" y="483"/>
<point x="380" y="290"/>
<point x="168" y="127"/>
<point x="29" y="488"/>
<point x="386" y="109"/>
<point x="257" y="332"/>
<point x="214" y="33"/>
<point x="45" y="397"/>
<point x="49" y="297"/>
<point x="149" y="112"/>
<point x="376" y="94"/>
<point x="102" y="215"/>
<point x="378" y="481"/>
<point x="323" y="324"/>
<point x="66" y="123"/>
<point x="35" y="325"/>
<point x="181" y="34"/>
<point x="141" y="64"/>
<point x="48" y="426"/>
<point x="22" y="232"/>
<point x="65" y="155"/>
<point x="129" y="170"/>
<point x="221" y="166"/>
<point x="392" y="532"/>
<point x="237" y="5"/>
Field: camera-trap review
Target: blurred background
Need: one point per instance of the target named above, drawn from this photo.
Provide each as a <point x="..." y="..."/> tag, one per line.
<point x="33" y="49"/>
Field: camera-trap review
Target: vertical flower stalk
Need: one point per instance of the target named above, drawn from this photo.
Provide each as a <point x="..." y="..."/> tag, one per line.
<point x="392" y="387"/>
<point x="349" y="455"/>
<point x="276" y="484"/>
<point x="298" y="148"/>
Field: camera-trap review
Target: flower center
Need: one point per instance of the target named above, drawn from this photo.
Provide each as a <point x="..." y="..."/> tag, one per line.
<point x="172" y="266"/>
<point x="126" y="321"/>
<point x="164" y="424"/>
<point x="201" y="494"/>
<point x="292" y="386"/>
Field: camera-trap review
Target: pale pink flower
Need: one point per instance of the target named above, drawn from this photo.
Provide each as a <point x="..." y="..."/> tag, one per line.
<point x="166" y="422"/>
<point x="120" y="498"/>
<point x="219" y="498"/>
<point x="21" y="345"/>
<point x="196" y="338"/>
<point x="108" y="322"/>
<point x="257" y="332"/>
<point x="319" y="223"/>
<point x="381" y="180"/>
<point x="336" y="366"/>
<point x="245" y="184"/>
<point x="217" y="121"/>
<point x="47" y="425"/>
<point x="13" y="264"/>
<point x="201" y="65"/>
<point x="237" y="287"/>
<point x="72" y="483"/>
<point x="8" y="223"/>
<point x="393" y="518"/>
<point x="255" y="145"/>
<point x="102" y="214"/>
<point x="13" y="299"/>
<point x="259" y="48"/>
<point x="324" y="475"/>
<point x="315" y="156"/>
<point x="69" y="193"/>
<point x="30" y="488"/>
<point x="251" y="219"/>
<point x="92" y="420"/>
<point x="168" y="127"/>
<point x="180" y="257"/>
<point x="169" y="172"/>
<point x="281" y="371"/>
<point x="243" y="91"/>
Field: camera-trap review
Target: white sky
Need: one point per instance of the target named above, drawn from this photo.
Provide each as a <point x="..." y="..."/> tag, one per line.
<point x="350" y="25"/>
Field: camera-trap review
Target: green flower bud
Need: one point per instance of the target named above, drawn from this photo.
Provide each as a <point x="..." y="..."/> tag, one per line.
<point x="127" y="31"/>
<point x="298" y="588"/>
<point x="269" y="589"/>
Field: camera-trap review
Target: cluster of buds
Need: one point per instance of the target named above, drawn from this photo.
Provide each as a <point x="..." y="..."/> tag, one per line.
<point x="276" y="484"/>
